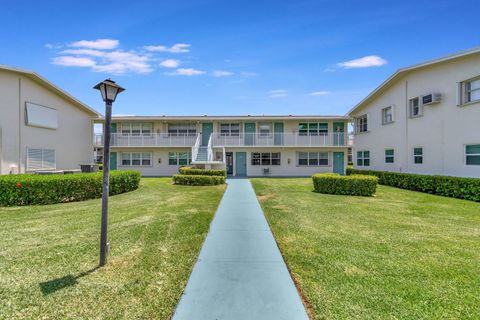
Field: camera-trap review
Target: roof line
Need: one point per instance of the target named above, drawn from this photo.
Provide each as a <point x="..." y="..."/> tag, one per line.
<point x="62" y="92"/>
<point x="414" y="67"/>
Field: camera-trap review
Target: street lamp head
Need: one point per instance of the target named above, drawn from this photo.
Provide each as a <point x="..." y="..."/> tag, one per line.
<point x="109" y="90"/>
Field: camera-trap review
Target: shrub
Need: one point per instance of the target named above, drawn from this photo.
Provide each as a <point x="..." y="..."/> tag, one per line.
<point x="198" y="180"/>
<point x="30" y="189"/>
<point x="355" y="185"/>
<point x="203" y="172"/>
<point x="454" y="187"/>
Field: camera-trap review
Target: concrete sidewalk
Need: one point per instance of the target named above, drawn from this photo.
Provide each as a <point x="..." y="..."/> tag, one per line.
<point x="240" y="273"/>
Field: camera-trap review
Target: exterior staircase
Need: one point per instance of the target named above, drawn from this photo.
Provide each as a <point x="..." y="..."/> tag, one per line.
<point x="202" y="154"/>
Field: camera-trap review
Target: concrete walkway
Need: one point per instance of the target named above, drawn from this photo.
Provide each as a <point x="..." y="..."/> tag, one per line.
<point x="240" y="273"/>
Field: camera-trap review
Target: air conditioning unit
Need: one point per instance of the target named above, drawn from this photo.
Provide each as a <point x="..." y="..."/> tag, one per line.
<point x="431" y="98"/>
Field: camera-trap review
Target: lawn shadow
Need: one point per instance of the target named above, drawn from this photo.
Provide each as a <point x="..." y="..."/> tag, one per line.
<point x="70" y="280"/>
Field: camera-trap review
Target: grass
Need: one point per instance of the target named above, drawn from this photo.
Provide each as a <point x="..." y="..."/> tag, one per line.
<point x="398" y="255"/>
<point x="49" y="254"/>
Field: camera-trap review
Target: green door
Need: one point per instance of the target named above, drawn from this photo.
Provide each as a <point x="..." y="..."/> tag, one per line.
<point x="338" y="134"/>
<point x="249" y="134"/>
<point x="207" y="129"/>
<point x="240" y="164"/>
<point x="338" y="163"/>
<point x="278" y="133"/>
<point x="113" y="161"/>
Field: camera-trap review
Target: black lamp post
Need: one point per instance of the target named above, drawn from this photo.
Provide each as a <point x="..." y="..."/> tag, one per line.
<point x="109" y="91"/>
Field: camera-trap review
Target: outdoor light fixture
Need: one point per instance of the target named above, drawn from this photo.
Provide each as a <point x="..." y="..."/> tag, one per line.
<point x="109" y="90"/>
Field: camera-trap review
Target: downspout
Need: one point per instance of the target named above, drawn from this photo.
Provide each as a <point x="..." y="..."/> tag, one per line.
<point x="406" y="127"/>
<point x="19" y="125"/>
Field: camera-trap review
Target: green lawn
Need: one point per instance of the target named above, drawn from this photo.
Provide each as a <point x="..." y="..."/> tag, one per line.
<point x="398" y="255"/>
<point x="48" y="254"/>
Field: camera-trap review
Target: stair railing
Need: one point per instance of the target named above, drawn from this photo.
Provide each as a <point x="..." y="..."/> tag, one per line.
<point x="209" y="149"/>
<point x="196" y="147"/>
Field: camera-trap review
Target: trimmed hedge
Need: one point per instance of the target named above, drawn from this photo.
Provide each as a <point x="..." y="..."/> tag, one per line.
<point x="454" y="187"/>
<point x="355" y="185"/>
<point x="204" y="172"/>
<point x="33" y="189"/>
<point x="198" y="180"/>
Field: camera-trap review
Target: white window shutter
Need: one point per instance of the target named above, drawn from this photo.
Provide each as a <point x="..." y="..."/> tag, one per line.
<point x="369" y="121"/>
<point x="393" y="112"/>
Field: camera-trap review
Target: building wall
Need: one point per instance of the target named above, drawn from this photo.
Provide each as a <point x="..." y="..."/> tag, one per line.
<point x="442" y="131"/>
<point x="72" y="141"/>
<point x="288" y="161"/>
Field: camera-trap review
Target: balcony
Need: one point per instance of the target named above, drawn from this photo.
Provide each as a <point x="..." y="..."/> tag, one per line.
<point x="280" y="140"/>
<point x="331" y="139"/>
<point x="151" y="140"/>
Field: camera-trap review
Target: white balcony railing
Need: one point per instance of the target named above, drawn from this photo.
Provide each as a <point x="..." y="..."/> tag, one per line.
<point x="281" y="139"/>
<point x="152" y="140"/>
<point x="330" y="139"/>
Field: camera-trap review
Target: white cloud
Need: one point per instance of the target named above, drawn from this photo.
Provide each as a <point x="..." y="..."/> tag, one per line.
<point x="176" y="48"/>
<point x="186" y="72"/>
<point x="69" y="61"/>
<point x="279" y="93"/>
<point x="364" y="62"/>
<point x="320" y="93"/>
<point x="115" y="62"/>
<point x="100" y="44"/>
<point x="222" y="73"/>
<point x="170" y="63"/>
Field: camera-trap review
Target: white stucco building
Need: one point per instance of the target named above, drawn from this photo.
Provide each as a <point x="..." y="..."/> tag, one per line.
<point x="41" y="126"/>
<point x="423" y="119"/>
<point x="244" y="145"/>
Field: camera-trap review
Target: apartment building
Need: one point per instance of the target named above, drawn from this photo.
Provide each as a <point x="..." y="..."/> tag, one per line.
<point x="243" y="145"/>
<point x="42" y="127"/>
<point x="423" y="119"/>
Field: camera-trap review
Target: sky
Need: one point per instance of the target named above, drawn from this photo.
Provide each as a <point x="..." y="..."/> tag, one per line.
<point x="230" y="57"/>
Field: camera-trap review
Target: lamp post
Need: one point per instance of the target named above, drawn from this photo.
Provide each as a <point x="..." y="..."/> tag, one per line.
<point x="109" y="91"/>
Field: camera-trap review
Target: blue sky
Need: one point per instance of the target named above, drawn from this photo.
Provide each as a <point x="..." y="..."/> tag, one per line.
<point x="226" y="57"/>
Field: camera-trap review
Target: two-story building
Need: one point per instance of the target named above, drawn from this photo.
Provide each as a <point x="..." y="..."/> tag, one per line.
<point x="42" y="127"/>
<point x="423" y="119"/>
<point x="244" y="145"/>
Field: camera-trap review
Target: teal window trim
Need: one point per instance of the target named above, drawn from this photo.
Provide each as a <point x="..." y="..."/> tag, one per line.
<point x="418" y="155"/>
<point x="179" y="158"/>
<point x="363" y="158"/>
<point x="389" y="156"/>
<point x="312" y="159"/>
<point x="313" y="128"/>
<point x="472" y="155"/>
<point x="266" y="158"/>
<point x="136" y="159"/>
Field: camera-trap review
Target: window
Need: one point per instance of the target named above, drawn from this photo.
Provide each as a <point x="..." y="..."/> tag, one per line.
<point x="136" y="158"/>
<point x="182" y="129"/>
<point x="363" y="158"/>
<point x="230" y="129"/>
<point x="418" y="155"/>
<point x="472" y="154"/>
<point x="40" y="116"/>
<point x="137" y="129"/>
<point x="361" y="124"/>
<point x="40" y="159"/>
<point x="265" y="158"/>
<point x="179" y="158"/>
<point x="264" y="129"/>
<point x="313" y="129"/>
<point x="415" y="108"/>
<point x="470" y="91"/>
<point x="312" y="159"/>
<point x="389" y="156"/>
<point x="387" y="115"/>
